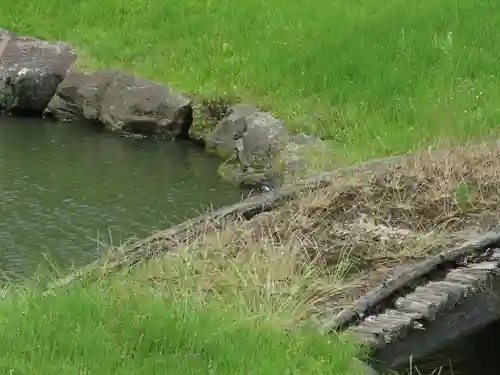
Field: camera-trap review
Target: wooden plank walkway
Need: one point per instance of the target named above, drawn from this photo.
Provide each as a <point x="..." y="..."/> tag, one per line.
<point x="415" y="310"/>
<point x="385" y="318"/>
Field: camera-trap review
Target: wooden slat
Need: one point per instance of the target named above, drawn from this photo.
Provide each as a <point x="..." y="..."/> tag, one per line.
<point x="3" y="44"/>
<point x="390" y="286"/>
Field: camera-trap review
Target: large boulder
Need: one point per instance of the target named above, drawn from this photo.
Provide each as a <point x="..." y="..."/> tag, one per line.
<point x="30" y="71"/>
<point x="233" y="127"/>
<point x="79" y="96"/>
<point x="259" y="151"/>
<point x="122" y="103"/>
<point x="251" y="140"/>
<point x="305" y="155"/>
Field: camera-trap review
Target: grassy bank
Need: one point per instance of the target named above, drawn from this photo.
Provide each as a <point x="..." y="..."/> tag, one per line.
<point x="373" y="77"/>
<point x="140" y="325"/>
<point x="232" y="300"/>
<point x="376" y="78"/>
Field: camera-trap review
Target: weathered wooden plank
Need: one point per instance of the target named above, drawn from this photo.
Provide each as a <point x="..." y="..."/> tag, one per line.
<point x="473" y="313"/>
<point x="390" y="322"/>
<point x="394" y="327"/>
<point x="366" y="339"/>
<point x="387" y="327"/>
<point x="443" y="300"/>
<point x="421" y="290"/>
<point x="454" y="293"/>
<point x="390" y="286"/>
<point x="484" y="276"/>
<point x="403" y="314"/>
<point x="495" y="255"/>
<point x="440" y="301"/>
<point x="481" y="274"/>
<point x="457" y="290"/>
<point x="371" y="336"/>
<point x="368" y="327"/>
<point x="428" y="309"/>
<point x="459" y="277"/>
<point x="426" y="301"/>
<point x="486" y="266"/>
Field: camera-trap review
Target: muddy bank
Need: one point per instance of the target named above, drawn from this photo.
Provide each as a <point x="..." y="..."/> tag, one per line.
<point x="39" y="78"/>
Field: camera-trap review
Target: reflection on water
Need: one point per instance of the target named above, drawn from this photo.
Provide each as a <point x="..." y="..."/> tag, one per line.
<point x="475" y="354"/>
<point x="66" y="190"/>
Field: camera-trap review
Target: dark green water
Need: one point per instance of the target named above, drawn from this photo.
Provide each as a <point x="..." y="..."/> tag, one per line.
<point x="475" y="354"/>
<point x="68" y="191"/>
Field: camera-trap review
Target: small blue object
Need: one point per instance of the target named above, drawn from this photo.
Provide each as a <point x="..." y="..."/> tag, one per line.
<point x="267" y="188"/>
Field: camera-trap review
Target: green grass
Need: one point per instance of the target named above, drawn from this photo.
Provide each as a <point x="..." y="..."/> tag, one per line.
<point x="120" y="328"/>
<point x="375" y="77"/>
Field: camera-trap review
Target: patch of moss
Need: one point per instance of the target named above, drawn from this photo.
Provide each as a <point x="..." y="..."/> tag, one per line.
<point x="206" y="115"/>
<point x="230" y="170"/>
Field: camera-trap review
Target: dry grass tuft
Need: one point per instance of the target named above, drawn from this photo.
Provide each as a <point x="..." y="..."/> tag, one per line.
<point x="332" y="245"/>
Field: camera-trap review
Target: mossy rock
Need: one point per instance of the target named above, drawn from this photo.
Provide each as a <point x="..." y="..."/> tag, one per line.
<point x="206" y="115"/>
<point x="231" y="170"/>
<point x="301" y="158"/>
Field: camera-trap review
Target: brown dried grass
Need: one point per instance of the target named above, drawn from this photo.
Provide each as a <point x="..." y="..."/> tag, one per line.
<point x="332" y="245"/>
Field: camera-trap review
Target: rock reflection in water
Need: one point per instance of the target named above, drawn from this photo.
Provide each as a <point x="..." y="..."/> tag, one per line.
<point x="67" y="190"/>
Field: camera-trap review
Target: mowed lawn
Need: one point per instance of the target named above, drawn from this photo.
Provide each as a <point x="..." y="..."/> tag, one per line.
<point x="374" y="77"/>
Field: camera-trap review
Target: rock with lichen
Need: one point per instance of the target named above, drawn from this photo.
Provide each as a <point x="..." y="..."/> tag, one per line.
<point x="122" y="103"/>
<point x="258" y="149"/>
<point x="30" y="71"/>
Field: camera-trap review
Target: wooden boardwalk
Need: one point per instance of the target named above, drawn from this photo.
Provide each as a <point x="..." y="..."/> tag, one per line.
<point x="418" y="312"/>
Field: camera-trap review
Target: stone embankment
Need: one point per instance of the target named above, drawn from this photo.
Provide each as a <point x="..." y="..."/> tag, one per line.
<point x="39" y="78"/>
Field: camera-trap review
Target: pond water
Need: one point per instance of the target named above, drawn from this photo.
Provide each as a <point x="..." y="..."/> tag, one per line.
<point x="475" y="354"/>
<point x="68" y="191"/>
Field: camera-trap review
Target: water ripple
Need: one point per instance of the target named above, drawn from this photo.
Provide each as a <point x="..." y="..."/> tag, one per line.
<point x="68" y="191"/>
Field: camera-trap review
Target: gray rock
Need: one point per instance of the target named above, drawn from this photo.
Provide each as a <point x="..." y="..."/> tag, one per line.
<point x="80" y="95"/>
<point x="299" y="153"/>
<point x="123" y="103"/>
<point x="252" y="140"/>
<point x="223" y="139"/>
<point x="260" y="152"/>
<point x="30" y="71"/>
<point x="262" y="141"/>
<point x="141" y="106"/>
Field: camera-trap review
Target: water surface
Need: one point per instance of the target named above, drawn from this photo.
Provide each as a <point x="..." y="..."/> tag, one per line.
<point x="475" y="354"/>
<point x="69" y="190"/>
